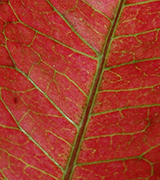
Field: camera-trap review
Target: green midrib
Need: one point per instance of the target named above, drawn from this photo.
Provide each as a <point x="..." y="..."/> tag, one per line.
<point x="78" y="141"/>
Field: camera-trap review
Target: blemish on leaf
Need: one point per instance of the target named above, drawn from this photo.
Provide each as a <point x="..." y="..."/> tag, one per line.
<point x="15" y="100"/>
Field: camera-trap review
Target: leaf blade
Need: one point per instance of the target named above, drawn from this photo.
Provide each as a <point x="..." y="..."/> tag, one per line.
<point x="69" y="70"/>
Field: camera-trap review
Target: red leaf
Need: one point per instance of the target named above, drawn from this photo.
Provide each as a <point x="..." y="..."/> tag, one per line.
<point x="80" y="90"/>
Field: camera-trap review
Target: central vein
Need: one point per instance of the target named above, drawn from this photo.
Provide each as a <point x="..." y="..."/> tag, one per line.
<point x="75" y="152"/>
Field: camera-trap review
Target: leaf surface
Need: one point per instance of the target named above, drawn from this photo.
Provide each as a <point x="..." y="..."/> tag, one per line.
<point x="79" y="90"/>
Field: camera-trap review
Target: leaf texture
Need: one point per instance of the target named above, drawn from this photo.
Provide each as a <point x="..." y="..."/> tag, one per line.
<point x="80" y="90"/>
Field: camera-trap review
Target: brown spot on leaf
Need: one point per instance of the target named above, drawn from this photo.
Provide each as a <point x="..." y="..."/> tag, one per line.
<point x="15" y="100"/>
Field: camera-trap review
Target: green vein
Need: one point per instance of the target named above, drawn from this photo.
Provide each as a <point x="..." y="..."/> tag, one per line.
<point x="131" y="62"/>
<point x="97" y="10"/>
<point x="33" y="83"/>
<point x="59" y="137"/>
<point x="5" y="178"/>
<point x="71" y="27"/>
<point x="29" y="137"/>
<point x="28" y="165"/>
<point x="56" y="72"/>
<point x="9" y="127"/>
<point x="95" y="58"/>
<point x="153" y="147"/>
<point x="128" y="107"/>
<point x="67" y="78"/>
<point x="73" y="83"/>
<point x="133" y="89"/>
<point x="14" y="64"/>
<point x="141" y="3"/>
<point x="118" y="134"/>
<point x="110" y="160"/>
<point x="48" y="98"/>
<point x="137" y="34"/>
